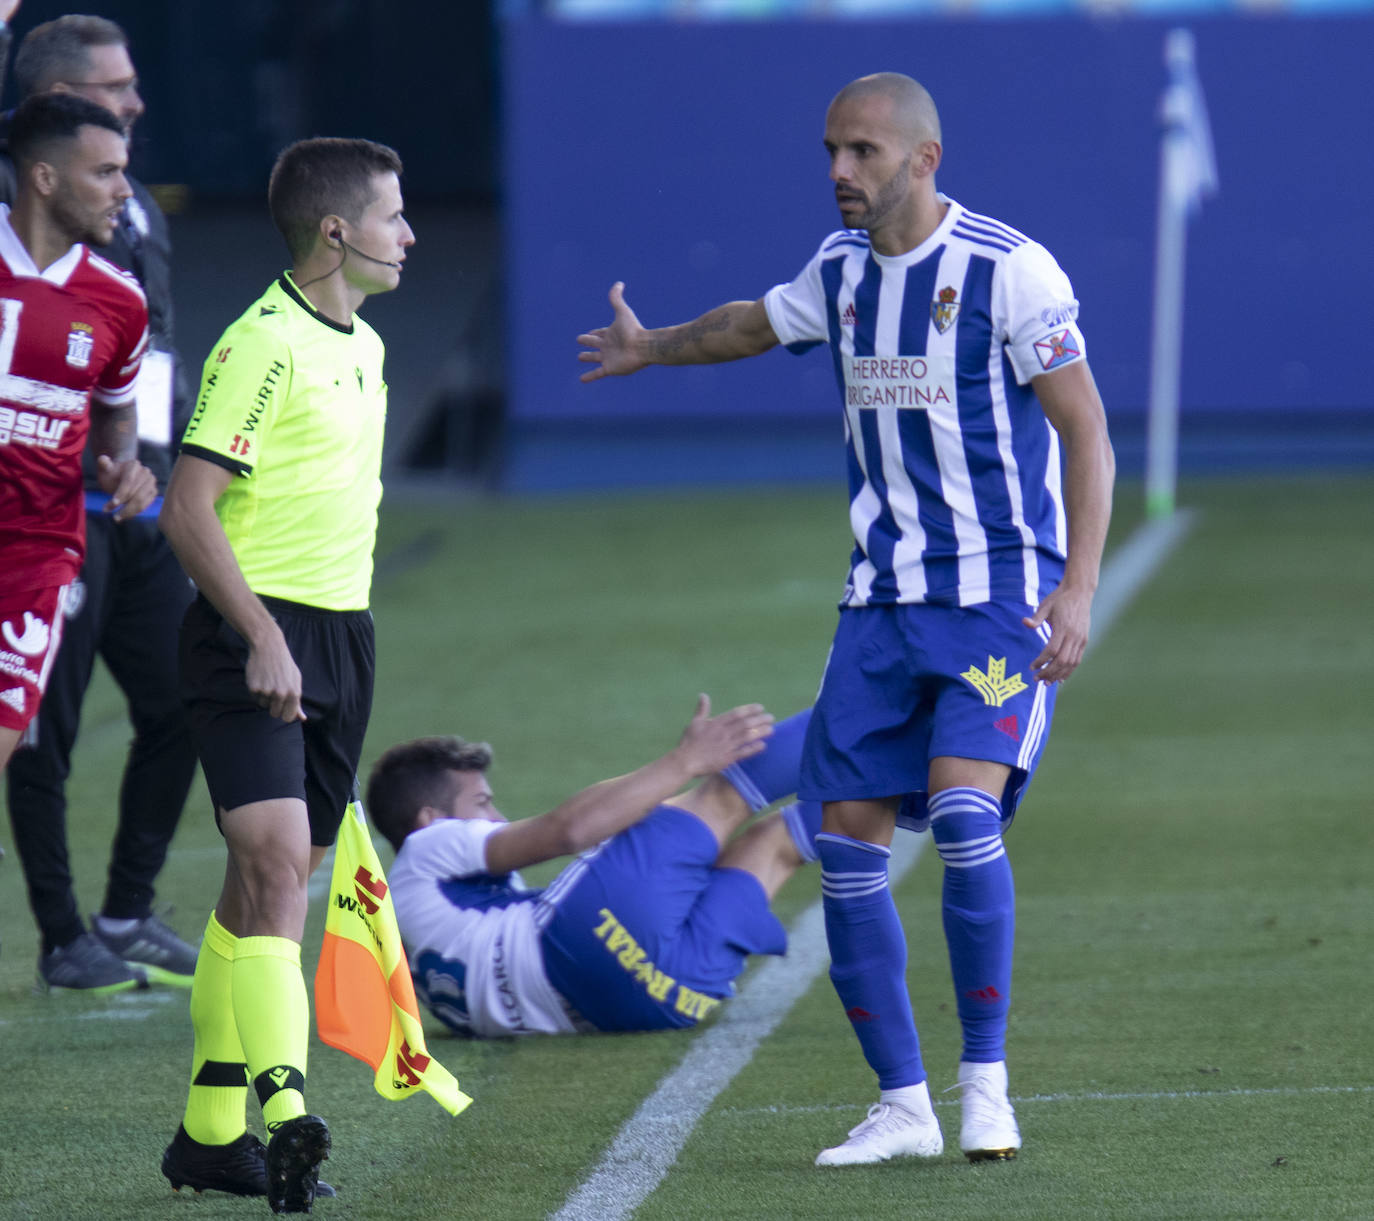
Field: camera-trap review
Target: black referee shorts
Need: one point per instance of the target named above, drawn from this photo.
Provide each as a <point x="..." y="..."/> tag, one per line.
<point x="248" y="754"/>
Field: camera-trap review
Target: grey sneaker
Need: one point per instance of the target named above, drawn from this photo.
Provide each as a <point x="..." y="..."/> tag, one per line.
<point x="152" y="947"/>
<point x="86" y="965"/>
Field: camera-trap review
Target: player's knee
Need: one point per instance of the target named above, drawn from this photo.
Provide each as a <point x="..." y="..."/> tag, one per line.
<point x="966" y="825"/>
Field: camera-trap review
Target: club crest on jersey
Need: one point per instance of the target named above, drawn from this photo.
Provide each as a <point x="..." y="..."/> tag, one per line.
<point x="944" y="309"/>
<point x="80" y="344"/>
<point x="1055" y="350"/>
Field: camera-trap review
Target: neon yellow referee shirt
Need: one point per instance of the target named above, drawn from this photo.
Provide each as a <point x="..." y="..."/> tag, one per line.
<point x="295" y="405"/>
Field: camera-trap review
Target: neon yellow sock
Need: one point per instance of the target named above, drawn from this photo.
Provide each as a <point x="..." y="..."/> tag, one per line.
<point x="219" y="1076"/>
<point x="273" y="1017"/>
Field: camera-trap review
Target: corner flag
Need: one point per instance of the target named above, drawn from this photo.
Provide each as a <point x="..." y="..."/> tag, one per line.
<point x="1187" y="175"/>
<point x="364" y="999"/>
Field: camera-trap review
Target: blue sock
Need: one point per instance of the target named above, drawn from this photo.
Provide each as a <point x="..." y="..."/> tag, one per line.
<point x="774" y="772"/>
<point x="803" y="821"/>
<point x="979" y="913"/>
<point x="868" y="957"/>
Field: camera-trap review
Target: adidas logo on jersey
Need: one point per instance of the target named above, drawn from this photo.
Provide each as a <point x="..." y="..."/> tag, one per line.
<point x="34" y="638"/>
<point x="849" y="317"/>
<point x="14" y="697"/>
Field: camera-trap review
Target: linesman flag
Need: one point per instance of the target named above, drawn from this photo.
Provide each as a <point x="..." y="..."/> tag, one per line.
<point x="364" y="999"/>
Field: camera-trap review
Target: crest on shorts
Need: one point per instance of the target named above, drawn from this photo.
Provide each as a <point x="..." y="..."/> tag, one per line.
<point x="75" y="601"/>
<point x="995" y="686"/>
<point x="944" y="309"/>
<point x="80" y="344"/>
<point x="31" y="640"/>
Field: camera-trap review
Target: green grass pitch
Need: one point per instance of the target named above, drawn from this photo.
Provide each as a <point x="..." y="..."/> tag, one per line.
<point x="1190" y="1032"/>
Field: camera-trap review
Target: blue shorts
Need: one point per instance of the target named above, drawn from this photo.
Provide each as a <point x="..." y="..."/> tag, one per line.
<point x="909" y="683"/>
<point x="647" y="933"/>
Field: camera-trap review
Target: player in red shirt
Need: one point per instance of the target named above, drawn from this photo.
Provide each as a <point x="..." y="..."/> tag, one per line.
<point x="73" y="328"/>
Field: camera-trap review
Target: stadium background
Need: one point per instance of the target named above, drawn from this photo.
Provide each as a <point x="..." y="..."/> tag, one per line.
<point x="554" y="147"/>
<point x="1193" y="997"/>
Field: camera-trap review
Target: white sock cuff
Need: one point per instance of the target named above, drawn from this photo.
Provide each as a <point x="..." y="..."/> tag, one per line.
<point x="915" y="1098"/>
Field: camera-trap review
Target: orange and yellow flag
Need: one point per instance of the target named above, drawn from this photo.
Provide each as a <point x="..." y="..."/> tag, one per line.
<point x="364" y="999"/>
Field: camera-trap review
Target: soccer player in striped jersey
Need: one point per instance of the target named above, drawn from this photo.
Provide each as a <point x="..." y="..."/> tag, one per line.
<point x="980" y="477"/>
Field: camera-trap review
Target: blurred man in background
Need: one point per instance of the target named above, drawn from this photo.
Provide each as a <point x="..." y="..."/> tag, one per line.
<point x="125" y="606"/>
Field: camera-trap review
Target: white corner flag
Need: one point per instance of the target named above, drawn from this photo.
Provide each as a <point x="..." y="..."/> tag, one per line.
<point x="1187" y="175"/>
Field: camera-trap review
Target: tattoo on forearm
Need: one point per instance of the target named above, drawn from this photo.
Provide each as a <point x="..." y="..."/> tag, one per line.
<point x="116" y="434"/>
<point x="691" y="334"/>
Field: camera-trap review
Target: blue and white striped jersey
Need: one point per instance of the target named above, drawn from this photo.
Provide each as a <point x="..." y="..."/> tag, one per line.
<point x="954" y="471"/>
<point x="473" y="938"/>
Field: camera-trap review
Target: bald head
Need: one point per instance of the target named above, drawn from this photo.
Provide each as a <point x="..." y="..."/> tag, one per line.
<point x="883" y="136"/>
<point x="913" y="109"/>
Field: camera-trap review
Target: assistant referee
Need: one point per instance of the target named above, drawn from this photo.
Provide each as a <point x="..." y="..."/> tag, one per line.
<point x="272" y="510"/>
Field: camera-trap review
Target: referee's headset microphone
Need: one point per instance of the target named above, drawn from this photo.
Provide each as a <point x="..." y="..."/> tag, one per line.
<point x="362" y="254"/>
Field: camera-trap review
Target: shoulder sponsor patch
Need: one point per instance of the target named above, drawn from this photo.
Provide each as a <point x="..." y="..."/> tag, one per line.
<point x="1057" y="349"/>
<point x="1059" y="313"/>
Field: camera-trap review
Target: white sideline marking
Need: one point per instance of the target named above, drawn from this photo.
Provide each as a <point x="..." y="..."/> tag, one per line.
<point x="132" y="1006"/>
<point x="1286" y="1091"/>
<point x="648" y="1143"/>
<point x="651" y="1139"/>
<point x="1134" y="563"/>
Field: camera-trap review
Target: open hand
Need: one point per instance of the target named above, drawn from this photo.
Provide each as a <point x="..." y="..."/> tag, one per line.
<point x="710" y="744"/>
<point x="614" y="348"/>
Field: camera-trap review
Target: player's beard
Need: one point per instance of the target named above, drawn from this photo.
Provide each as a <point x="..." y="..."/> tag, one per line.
<point x="886" y="198"/>
<point x="80" y="224"/>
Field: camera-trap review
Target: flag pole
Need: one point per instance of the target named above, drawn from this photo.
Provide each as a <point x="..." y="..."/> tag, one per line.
<point x="1187" y="171"/>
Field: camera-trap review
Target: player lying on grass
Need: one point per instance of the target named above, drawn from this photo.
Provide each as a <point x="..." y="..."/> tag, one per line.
<point x="646" y="930"/>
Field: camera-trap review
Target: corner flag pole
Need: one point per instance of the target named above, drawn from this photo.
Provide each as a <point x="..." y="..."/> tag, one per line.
<point x="1187" y="173"/>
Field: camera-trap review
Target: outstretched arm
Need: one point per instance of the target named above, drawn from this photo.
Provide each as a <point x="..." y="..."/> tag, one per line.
<point x="1071" y="402"/>
<point x="708" y="744"/>
<point x="728" y="332"/>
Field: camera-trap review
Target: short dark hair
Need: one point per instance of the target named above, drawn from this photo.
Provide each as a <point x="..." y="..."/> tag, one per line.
<point x="325" y="174"/>
<point x="56" y="50"/>
<point x="416" y="774"/>
<point x="46" y="119"/>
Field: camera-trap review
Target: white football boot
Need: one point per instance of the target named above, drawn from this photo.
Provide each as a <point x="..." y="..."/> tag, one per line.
<point x="891" y="1130"/>
<point x="988" y="1131"/>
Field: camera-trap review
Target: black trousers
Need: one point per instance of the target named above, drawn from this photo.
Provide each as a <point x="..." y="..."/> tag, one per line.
<point x="135" y="597"/>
